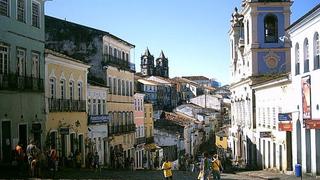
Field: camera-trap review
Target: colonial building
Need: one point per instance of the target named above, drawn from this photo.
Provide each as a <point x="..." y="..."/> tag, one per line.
<point x="256" y="50"/>
<point x="66" y="94"/>
<point x="149" y="69"/>
<point x="140" y="138"/>
<point x="111" y="65"/>
<point x="304" y="34"/>
<point x="98" y="119"/>
<point x="22" y="103"/>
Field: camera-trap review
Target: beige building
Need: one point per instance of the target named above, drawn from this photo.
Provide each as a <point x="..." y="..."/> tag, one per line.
<point x="120" y="79"/>
<point x="66" y="96"/>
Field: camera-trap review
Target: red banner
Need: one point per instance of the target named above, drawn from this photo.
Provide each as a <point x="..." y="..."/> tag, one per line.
<point x="306" y="97"/>
<point x="312" y="124"/>
<point x="285" y="126"/>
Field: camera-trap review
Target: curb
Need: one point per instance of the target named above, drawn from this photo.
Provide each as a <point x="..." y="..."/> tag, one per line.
<point x="263" y="177"/>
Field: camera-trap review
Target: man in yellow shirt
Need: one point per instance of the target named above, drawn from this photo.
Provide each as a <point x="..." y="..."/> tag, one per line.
<point x="167" y="166"/>
<point x="216" y="167"/>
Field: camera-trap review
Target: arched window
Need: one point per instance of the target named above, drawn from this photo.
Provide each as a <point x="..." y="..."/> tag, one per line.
<point x="248" y="30"/>
<point x="306" y="55"/>
<point x="316" y="51"/>
<point x="62" y="89"/>
<point x="71" y="90"/>
<point x="270" y="29"/>
<point x="52" y="84"/>
<point x="80" y="90"/>
<point x="297" y="59"/>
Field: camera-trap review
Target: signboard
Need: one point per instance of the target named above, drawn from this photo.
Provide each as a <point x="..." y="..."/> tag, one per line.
<point x="285" y="116"/>
<point x="265" y="134"/>
<point x="306" y="97"/>
<point x="64" y="130"/>
<point x="94" y="119"/>
<point x="312" y="124"/>
<point x="285" y="126"/>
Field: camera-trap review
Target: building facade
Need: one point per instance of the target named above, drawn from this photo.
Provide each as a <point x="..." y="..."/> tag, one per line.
<point x="140" y="138"/>
<point x="98" y="119"/>
<point x="304" y="34"/>
<point x="256" y="50"/>
<point x="66" y="92"/>
<point x="21" y="75"/>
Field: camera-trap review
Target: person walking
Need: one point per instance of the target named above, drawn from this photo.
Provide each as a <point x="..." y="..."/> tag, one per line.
<point x="216" y="167"/>
<point x="96" y="161"/>
<point x="205" y="167"/>
<point x="167" y="169"/>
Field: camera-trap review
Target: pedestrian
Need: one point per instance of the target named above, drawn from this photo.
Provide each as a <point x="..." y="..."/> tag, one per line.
<point x="19" y="157"/>
<point x="205" y="166"/>
<point x="131" y="163"/>
<point x="216" y="167"/>
<point x="96" y="161"/>
<point x="53" y="158"/>
<point x="167" y="169"/>
<point x="78" y="159"/>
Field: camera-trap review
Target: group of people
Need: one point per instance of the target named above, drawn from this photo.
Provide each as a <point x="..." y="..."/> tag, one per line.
<point x="208" y="166"/>
<point x="32" y="160"/>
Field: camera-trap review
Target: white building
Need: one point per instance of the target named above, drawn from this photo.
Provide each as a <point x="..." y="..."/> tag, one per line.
<point x="304" y="34"/>
<point x="255" y="51"/>
<point x="97" y="120"/>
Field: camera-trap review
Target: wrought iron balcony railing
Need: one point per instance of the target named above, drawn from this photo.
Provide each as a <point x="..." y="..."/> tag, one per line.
<point x="16" y="82"/>
<point x="141" y="140"/>
<point x="66" y="105"/>
<point x="117" y="62"/>
<point x="121" y="129"/>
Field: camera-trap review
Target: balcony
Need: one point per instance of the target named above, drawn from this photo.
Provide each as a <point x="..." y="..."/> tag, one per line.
<point x="117" y="62"/>
<point x="149" y="140"/>
<point x="121" y="129"/>
<point x="306" y="65"/>
<point x="20" y="83"/>
<point x="316" y="62"/>
<point x="141" y="140"/>
<point x="66" y="105"/>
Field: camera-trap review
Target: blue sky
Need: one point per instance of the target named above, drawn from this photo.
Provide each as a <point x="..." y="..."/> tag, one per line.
<point x="193" y="34"/>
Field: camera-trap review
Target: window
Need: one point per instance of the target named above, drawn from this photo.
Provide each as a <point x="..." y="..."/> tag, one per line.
<point x="71" y="89"/>
<point x="306" y="55"/>
<point x="99" y="107"/>
<point x="127" y="57"/>
<point x="119" y="87"/>
<point x="110" y="84"/>
<point x="114" y="86"/>
<point x="104" y="106"/>
<point x="94" y="107"/>
<point x="35" y="14"/>
<point x="110" y="50"/>
<point x="80" y="90"/>
<point x="123" y="88"/>
<point x="270" y="29"/>
<point x="248" y="32"/>
<point x="131" y="89"/>
<point x="4" y="7"/>
<point x="297" y="59"/>
<point x="21" y="10"/>
<point x="21" y="60"/>
<point x="4" y="59"/>
<point x="62" y="89"/>
<point x="52" y="85"/>
<point x="35" y="65"/>
<point x="115" y="52"/>
<point x="127" y="88"/>
<point x="89" y="107"/>
<point x="316" y="51"/>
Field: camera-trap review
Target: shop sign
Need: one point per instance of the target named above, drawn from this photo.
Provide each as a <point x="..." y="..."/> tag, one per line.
<point x="312" y="124"/>
<point x="265" y="134"/>
<point x="94" y="119"/>
<point x="285" y="126"/>
<point x="285" y="116"/>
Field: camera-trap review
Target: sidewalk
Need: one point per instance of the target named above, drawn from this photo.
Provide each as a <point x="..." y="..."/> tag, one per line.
<point x="264" y="174"/>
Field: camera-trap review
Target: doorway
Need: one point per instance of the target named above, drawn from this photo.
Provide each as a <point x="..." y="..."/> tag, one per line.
<point x="318" y="151"/>
<point x="269" y="157"/>
<point x="23" y="135"/>
<point x="308" y="151"/>
<point x="6" y="141"/>
<point x="289" y="150"/>
<point x="274" y="155"/>
<point x="299" y="152"/>
<point x="280" y="157"/>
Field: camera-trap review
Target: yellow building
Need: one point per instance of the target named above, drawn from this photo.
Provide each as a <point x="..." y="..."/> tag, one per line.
<point x="120" y="79"/>
<point x="148" y="122"/>
<point x="66" y="96"/>
<point x="222" y="140"/>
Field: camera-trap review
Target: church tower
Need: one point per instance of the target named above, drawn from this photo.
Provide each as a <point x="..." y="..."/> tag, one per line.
<point x="147" y="63"/>
<point x="259" y="47"/>
<point x="162" y="67"/>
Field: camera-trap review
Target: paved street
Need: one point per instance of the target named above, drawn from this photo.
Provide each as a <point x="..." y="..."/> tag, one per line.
<point x="6" y="173"/>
